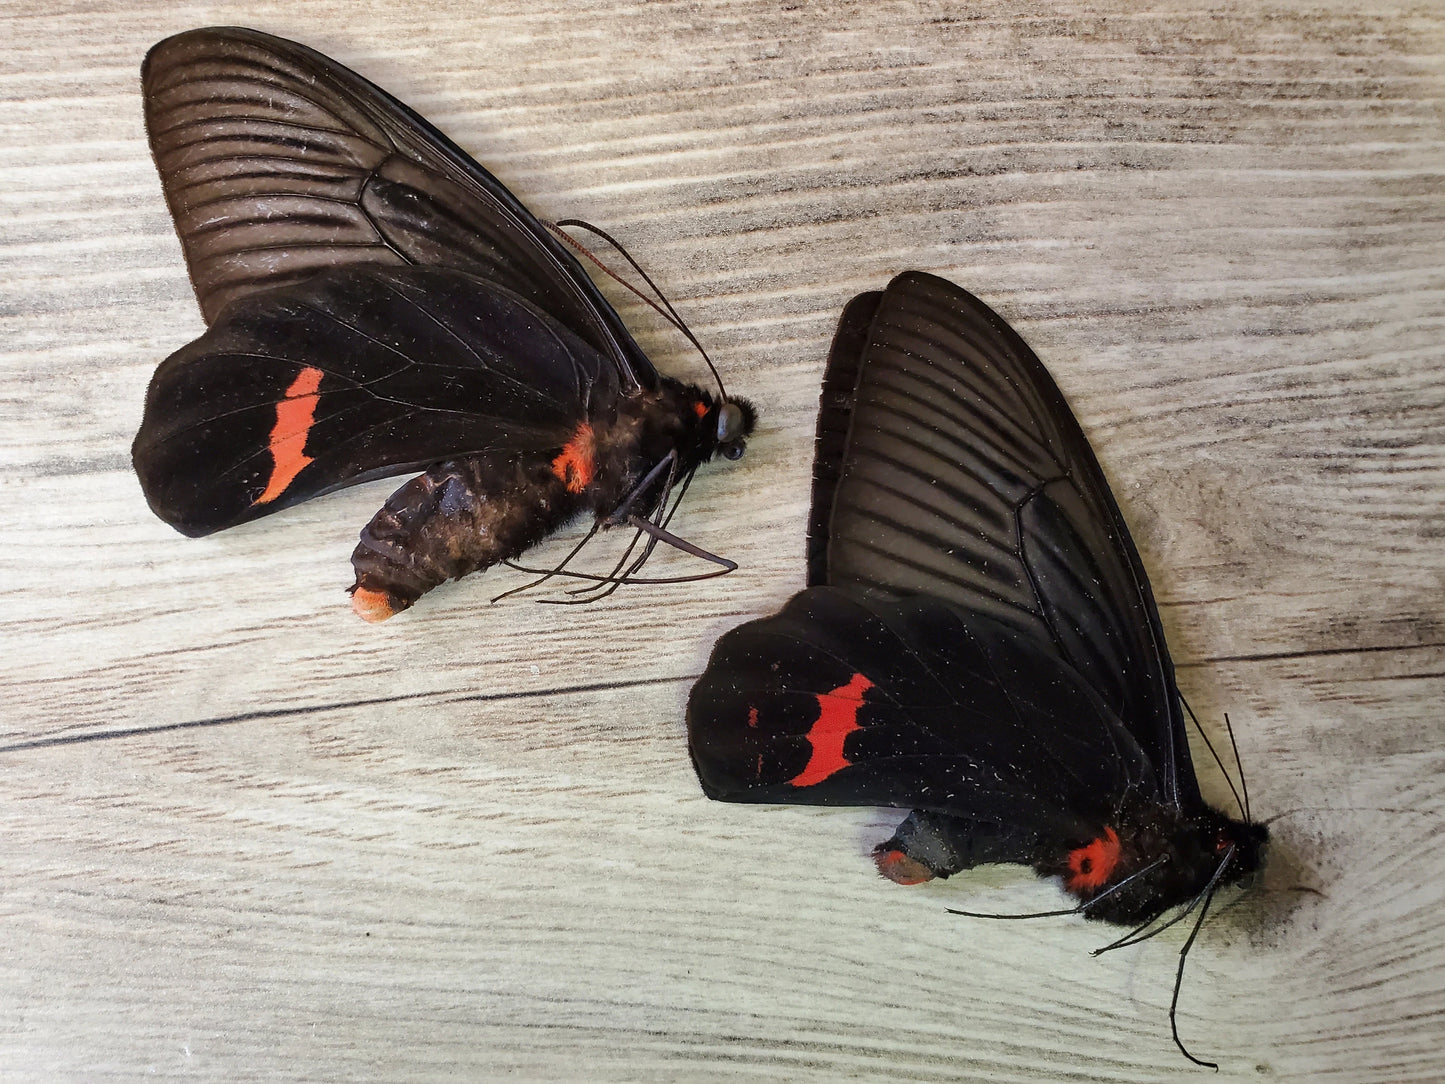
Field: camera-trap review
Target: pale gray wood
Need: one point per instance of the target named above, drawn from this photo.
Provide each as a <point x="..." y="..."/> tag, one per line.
<point x="247" y="836"/>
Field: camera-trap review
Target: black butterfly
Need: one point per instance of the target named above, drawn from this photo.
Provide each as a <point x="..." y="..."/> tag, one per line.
<point x="980" y="644"/>
<point x="378" y="303"/>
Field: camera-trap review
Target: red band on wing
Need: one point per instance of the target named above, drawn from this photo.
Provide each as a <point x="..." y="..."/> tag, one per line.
<point x="1091" y="866"/>
<point x="294" y="415"/>
<point x="577" y="463"/>
<point x="700" y="409"/>
<point x="837" y="718"/>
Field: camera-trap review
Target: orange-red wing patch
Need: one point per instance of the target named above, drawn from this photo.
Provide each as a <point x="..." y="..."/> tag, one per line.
<point x="578" y="461"/>
<point x="700" y="409"/>
<point x="294" y="415"/>
<point x="837" y="718"/>
<point x="1091" y="865"/>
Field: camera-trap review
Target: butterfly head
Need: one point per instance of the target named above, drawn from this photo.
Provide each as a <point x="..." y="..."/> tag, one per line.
<point x="1247" y="840"/>
<point x="724" y="426"/>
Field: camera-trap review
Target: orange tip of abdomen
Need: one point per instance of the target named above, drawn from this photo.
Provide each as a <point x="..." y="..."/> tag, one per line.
<point x="370" y="605"/>
<point x="901" y="869"/>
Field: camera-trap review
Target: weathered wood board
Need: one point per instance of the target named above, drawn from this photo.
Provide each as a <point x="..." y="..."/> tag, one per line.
<point x="247" y="836"/>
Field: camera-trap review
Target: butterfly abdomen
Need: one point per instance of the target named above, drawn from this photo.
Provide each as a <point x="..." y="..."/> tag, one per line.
<point x="467" y="514"/>
<point x="462" y="516"/>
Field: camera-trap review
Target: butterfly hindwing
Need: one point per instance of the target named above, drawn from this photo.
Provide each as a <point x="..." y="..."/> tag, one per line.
<point x="949" y="465"/>
<point x="354" y="374"/>
<point x="847" y="699"/>
<point x="277" y="163"/>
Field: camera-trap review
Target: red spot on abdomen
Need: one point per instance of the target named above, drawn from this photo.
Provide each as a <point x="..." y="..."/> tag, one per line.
<point x="837" y="718"/>
<point x="577" y="462"/>
<point x="295" y="414"/>
<point x="1091" y="866"/>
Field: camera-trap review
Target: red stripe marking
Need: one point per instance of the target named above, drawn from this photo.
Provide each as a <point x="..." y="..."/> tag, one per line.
<point x="294" y="416"/>
<point x="1092" y="865"/>
<point x="837" y="718"/>
<point x="577" y="462"/>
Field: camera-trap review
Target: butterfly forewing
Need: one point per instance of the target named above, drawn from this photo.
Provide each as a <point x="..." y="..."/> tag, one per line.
<point x="959" y="472"/>
<point x="278" y="162"/>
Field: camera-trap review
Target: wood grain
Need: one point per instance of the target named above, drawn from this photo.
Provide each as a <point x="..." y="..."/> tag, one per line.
<point x="247" y="836"/>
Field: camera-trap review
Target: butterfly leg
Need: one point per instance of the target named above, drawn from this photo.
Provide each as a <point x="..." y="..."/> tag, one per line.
<point x="461" y="516"/>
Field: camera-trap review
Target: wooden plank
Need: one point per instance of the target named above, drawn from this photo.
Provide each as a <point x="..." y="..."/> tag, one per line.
<point x="249" y="836"/>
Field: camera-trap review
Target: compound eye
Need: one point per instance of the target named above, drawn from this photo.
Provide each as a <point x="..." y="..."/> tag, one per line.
<point x="729" y="425"/>
<point x="733" y="450"/>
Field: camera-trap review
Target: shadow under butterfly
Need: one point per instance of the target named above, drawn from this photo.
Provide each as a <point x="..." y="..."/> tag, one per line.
<point x="978" y="644"/>
<point x="379" y="303"/>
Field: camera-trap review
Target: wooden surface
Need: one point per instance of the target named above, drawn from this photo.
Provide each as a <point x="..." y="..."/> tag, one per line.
<point x="247" y="836"/>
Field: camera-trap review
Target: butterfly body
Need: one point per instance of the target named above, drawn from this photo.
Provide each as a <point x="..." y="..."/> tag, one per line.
<point x="978" y="643"/>
<point x="379" y="303"/>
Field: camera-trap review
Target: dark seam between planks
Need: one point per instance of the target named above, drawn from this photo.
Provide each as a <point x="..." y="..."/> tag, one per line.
<point x="451" y="696"/>
<point x="1277" y="655"/>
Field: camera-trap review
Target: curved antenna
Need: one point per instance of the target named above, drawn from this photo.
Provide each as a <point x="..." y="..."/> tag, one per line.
<point x="1080" y="909"/>
<point x="1238" y="764"/>
<point x="665" y="310"/>
<point x="1210" y="745"/>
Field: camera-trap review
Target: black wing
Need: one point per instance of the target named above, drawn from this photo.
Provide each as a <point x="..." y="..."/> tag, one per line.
<point x="949" y="465"/>
<point x="278" y="162"/>
<point x="354" y="374"/>
<point x="844" y="698"/>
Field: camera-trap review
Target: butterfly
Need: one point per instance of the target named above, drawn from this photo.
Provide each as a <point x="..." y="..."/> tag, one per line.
<point x="378" y="303"/>
<point x="979" y="643"/>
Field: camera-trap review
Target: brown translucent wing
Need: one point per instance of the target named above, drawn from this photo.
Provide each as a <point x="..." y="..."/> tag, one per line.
<point x="278" y="163"/>
<point x="949" y="465"/>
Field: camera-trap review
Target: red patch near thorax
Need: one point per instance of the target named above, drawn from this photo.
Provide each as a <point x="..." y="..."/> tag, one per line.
<point x="1091" y="865"/>
<point x="295" y="414"/>
<point x="577" y="462"/>
<point x="837" y="718"/>
<point x="700" y="409"/>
